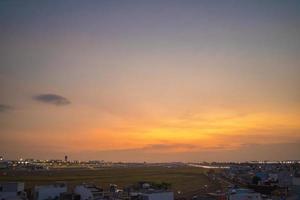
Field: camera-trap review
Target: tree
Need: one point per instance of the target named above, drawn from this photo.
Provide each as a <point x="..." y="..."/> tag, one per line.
<point x="256" y="180"/>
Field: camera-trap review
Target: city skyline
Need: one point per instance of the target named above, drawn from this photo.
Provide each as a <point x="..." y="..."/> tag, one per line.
<point x="150" y="81"/>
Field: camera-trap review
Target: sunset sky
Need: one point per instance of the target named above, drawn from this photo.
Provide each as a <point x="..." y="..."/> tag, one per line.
<point x="153" y="81"/>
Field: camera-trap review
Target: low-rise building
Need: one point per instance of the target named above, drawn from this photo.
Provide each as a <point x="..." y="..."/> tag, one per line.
<point x="49" y="192"/>
<point x="241" y="194"/>
<point x="12" y="191"/>
<point x="89" y="192"/>
<point x="296" y="186"/>
<point x="157" y="195"/>
<point x="69" y="196"/>
<point x="285" y="178"/>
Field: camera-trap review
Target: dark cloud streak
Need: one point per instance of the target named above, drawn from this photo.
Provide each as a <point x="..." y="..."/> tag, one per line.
<point x="5" y="108"/>
<point x="52" y="99"/>
<point x="246" y="152"/>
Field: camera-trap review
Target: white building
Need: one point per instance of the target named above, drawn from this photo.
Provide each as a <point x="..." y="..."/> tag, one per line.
<point x="49" y="191"/>
<point x="156" y="195"/>
<point x="241" y="194"/>
<point x="12" y="191"/>
<point x="88" y="192"/>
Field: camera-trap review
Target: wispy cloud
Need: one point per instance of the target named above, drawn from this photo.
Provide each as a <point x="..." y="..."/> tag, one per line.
<point x="168" y="147"/>
<point x="5" y="108"/>
<point x="52" y="99"/>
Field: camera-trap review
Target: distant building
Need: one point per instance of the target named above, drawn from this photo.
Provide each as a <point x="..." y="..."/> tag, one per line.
<point x="12" y="191"/>
<point x="89" y="192"/>
<point x="49" y="192"/>
<point x="66" y="158"/>
<point x="4" y="164"/>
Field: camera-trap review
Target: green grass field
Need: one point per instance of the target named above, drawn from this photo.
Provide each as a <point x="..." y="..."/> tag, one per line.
<point x="190" y="181"/>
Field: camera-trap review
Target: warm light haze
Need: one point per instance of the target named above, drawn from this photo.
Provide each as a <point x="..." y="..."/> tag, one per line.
<point x="153" y="81"/>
